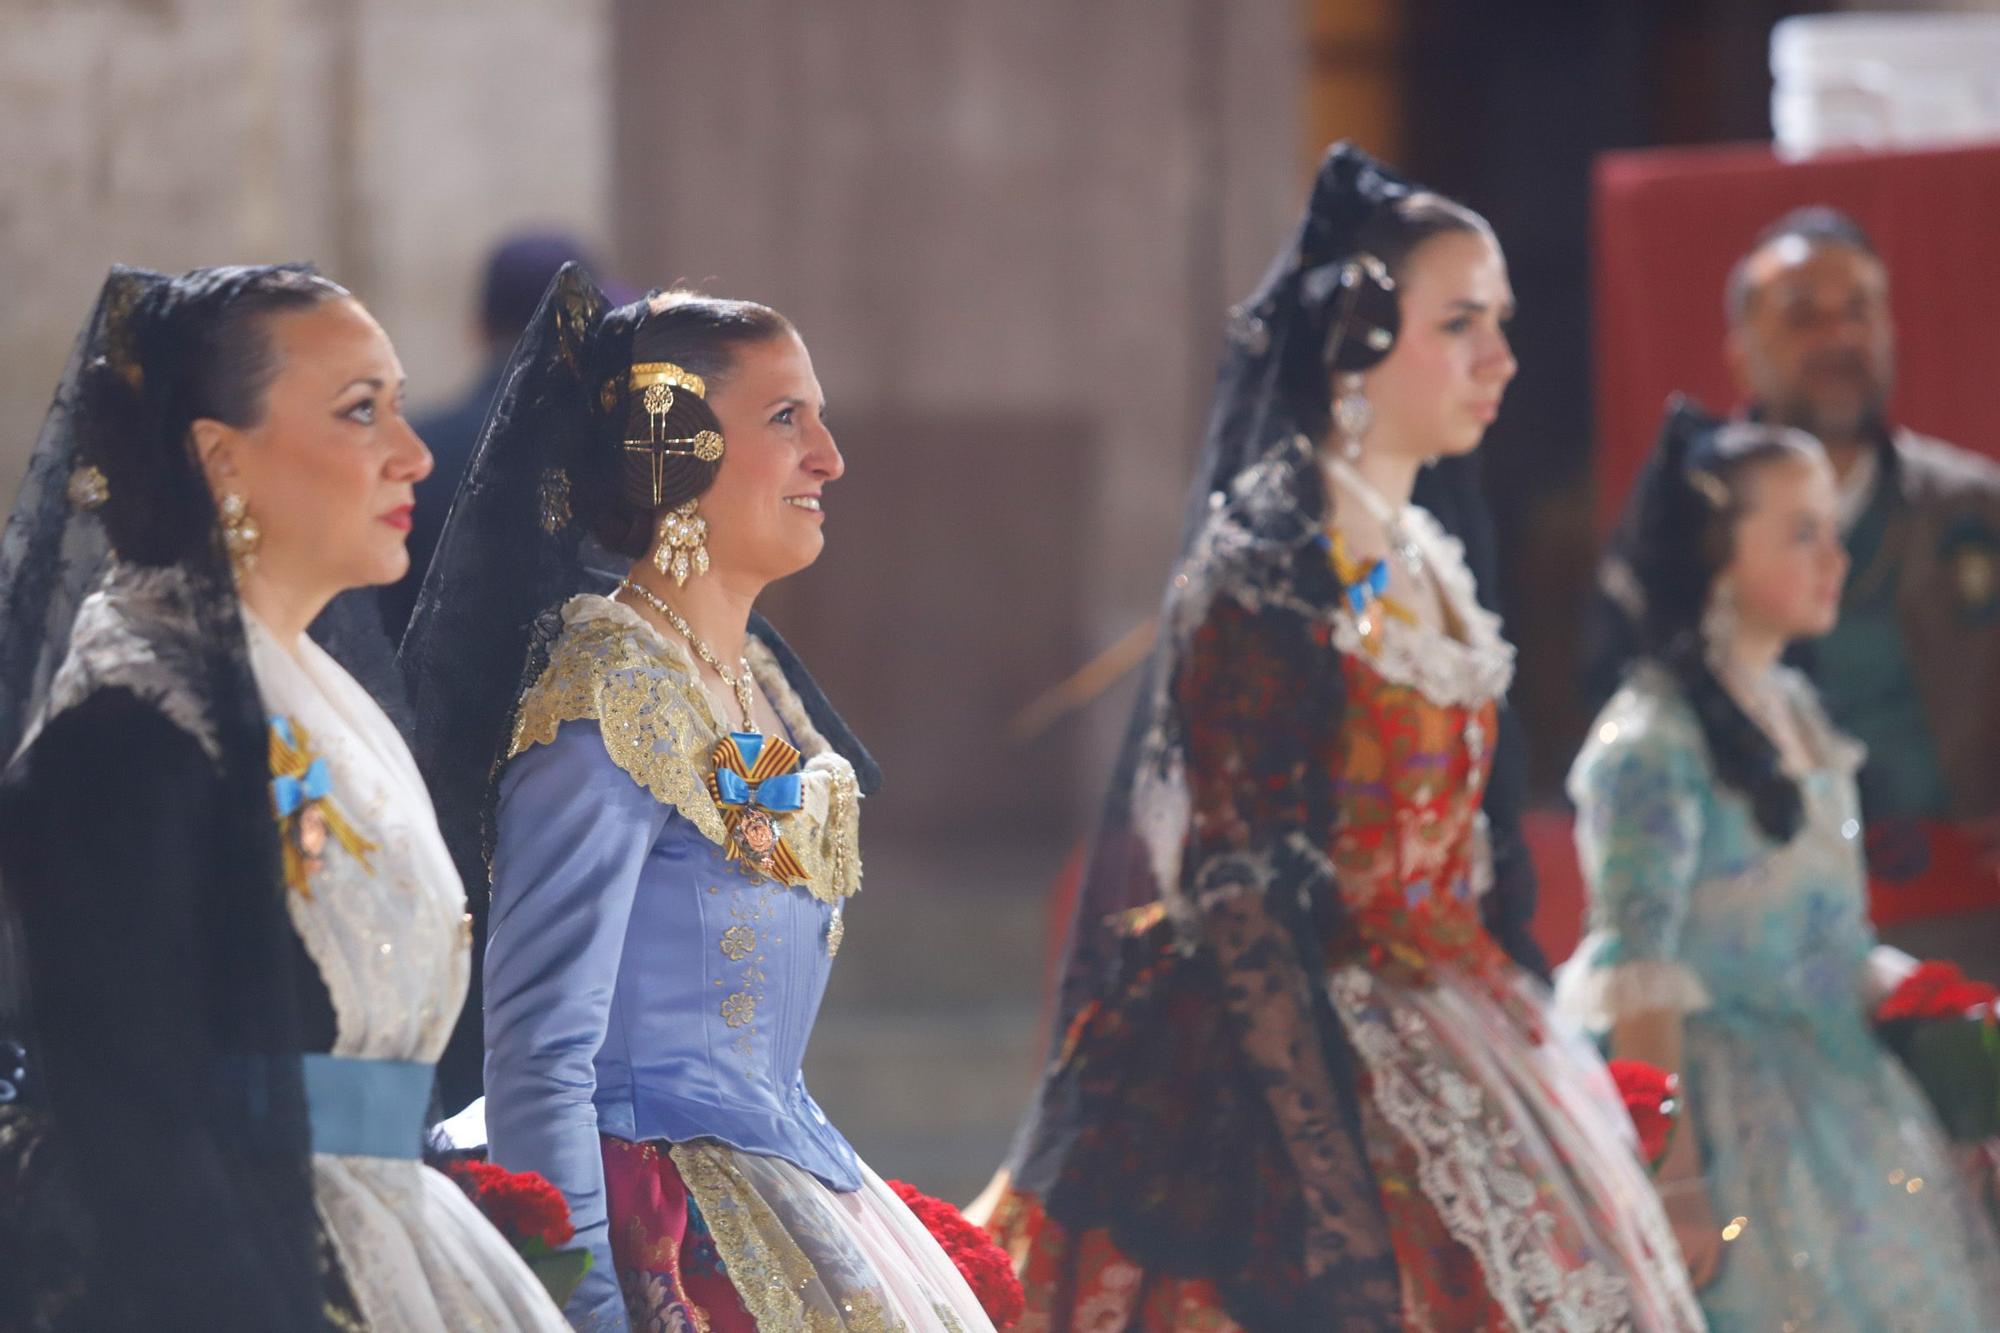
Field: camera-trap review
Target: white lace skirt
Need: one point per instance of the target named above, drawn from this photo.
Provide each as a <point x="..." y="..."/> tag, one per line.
<point x="419" y="1257"/>
<point x="1513" y="1133"/>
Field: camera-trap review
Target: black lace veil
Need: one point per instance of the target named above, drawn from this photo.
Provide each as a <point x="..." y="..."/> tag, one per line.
<point x="510" y="555"/>
<point x="107" y="442"/>
<point x="1271" y="394"/>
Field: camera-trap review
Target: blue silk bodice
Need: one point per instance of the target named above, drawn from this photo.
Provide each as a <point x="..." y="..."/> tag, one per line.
<point x="640" y="982"/>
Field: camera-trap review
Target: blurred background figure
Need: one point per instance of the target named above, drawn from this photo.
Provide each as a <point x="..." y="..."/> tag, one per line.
<point x="517" y="273"/>
<point x="1912" y="668"/>
<point x="1729" y="939"/>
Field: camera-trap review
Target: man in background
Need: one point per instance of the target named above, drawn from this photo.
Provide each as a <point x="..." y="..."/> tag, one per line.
<point x="1913" y="668"/>
<point x="517" y="273"/>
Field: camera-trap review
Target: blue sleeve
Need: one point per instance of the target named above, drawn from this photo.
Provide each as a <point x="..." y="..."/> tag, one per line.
<point x="573" y="835"/>
<point x="1639" y="830"/>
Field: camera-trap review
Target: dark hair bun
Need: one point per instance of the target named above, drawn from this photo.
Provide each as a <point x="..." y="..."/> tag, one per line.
<point x="183" y="349"/>
<point x="619" y="487"/>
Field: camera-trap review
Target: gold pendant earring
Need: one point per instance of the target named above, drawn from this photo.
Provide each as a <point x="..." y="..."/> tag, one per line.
<point x="683" y="546"/>
<point x="240" y="533"/>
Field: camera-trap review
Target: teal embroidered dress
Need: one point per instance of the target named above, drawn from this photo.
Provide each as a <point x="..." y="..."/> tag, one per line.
<point x="1852" y="1215"/>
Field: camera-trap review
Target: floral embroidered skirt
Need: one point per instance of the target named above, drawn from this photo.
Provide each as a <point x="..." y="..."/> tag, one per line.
<point x="1506" y="1167"/>
<point x="708" y="1237"/>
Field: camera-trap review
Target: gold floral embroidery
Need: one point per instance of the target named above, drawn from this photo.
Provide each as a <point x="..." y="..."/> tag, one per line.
<point x="577" y="309"/>
<point x="121" y="334"/>
<point x="865" y="1313"/>
<point x="739" y="1010"/>
<point x="659" y="726"/>
<point x="780" y="1285"/>
<point x="738" y="942"/>
<point x="88" y="488"/>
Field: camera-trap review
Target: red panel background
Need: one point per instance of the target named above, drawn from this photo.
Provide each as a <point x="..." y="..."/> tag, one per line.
<point x="1668" y="223"/>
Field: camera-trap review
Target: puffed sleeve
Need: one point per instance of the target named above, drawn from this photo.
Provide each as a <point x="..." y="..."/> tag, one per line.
<point x="574" y="832"/>
<point x="1640" y="788"/>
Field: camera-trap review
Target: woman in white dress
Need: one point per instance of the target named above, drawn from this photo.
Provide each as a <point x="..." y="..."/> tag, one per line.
<point x="241" y="937"/>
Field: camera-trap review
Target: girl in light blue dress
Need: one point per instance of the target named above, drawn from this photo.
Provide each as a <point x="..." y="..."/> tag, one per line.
<point x="1718" y="830"/>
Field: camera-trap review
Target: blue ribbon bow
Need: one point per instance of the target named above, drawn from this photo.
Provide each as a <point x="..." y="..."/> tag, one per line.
<point x="288" y="793"/>
<point x="780" y="794"/>
<point x="1365" y="591"/>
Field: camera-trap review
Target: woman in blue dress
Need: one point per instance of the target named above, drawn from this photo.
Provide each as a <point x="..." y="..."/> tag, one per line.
<point x="1717" y="827"/>
<point x="673" y="820"/>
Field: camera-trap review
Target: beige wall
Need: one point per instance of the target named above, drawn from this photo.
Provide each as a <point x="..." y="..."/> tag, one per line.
<point x="388" y="140"/>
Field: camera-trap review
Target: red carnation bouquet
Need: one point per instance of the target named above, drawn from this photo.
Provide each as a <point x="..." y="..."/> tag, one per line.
<point x="1946" y="1030"/>
<point x="982" y="1263"/>
<point x="532" y="1215"/>
<point x="1652" y="1099"/>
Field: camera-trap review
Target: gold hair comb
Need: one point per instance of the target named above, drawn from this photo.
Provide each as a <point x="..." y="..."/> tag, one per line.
<point x="655" y="382"/>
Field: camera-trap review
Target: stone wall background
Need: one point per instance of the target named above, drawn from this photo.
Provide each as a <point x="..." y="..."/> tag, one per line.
<point x="389" y="141"/>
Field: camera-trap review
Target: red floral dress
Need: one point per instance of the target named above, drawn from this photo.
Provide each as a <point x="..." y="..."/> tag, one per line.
<point x="1497" y="1151"/>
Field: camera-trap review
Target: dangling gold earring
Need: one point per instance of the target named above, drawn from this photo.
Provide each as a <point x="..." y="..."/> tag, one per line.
<point x="1353" y="414"/>
<point x="240" y="533"/>
<point x="683" y="547"/>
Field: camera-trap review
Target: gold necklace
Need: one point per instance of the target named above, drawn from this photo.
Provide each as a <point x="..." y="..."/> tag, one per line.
<point x="739" y="682"/>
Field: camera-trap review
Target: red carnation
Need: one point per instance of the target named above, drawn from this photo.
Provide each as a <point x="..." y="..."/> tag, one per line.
<point x="1935" y="990"/>
<point x="521" y="1205"/>
<point x="982" y="1263"/>
<point x="1651" y="1098"/>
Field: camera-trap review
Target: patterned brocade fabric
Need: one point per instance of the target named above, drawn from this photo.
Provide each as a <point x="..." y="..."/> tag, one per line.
<point x="1409" y="852"/>
<point x="725" y="1242"/>
<point x="1209" y="1157"/>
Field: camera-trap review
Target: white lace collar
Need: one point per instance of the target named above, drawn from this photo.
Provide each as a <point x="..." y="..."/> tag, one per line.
<point x="1449" y="671"/>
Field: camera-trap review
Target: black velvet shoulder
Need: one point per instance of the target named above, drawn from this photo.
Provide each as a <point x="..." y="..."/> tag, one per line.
<point x="111" y="824"/>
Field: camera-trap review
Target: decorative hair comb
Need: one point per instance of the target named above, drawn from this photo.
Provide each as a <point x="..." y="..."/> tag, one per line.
<point x="655" y="382"/>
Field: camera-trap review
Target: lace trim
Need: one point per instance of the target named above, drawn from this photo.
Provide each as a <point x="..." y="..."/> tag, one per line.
<point x="830" y="850"/>
<point x="1596" y="997"/>
<point x="779" y="1284"/>
<point x="1450" y="672"/>
<point x="136" y="632"/>
<point x="659" y="725"/>
<point x="1465" y="1151"/>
